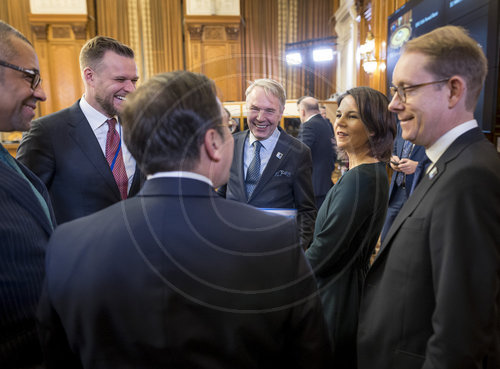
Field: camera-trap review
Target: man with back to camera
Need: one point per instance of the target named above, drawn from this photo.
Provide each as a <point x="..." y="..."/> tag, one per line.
<point x="270" y="168"/>
<point x="78" y="152"/>
<point x="432" y="296"/>
<point x="317" y="134"/>
<point x="26" y="216"/>
<point x="201" y="282"/>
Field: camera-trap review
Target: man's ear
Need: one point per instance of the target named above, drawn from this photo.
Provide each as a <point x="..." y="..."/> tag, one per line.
<point x="213" y="143"/>
<point x="88" y="75"/>
<point x="458" y="88"/>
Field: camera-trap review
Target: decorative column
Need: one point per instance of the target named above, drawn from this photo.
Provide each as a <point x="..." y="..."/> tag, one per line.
<point x="347" y="41"/>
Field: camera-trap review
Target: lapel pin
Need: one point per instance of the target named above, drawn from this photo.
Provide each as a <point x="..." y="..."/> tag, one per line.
<point x="433" y="172"/>
<point x="279" y="155"/>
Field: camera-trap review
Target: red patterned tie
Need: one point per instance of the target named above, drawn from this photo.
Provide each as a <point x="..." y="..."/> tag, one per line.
<point x="114" y="153"/>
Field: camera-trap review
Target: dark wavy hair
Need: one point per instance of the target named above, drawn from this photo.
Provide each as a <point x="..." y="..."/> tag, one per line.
<point x="165" y="120"/>
<point x="378" y="120"/>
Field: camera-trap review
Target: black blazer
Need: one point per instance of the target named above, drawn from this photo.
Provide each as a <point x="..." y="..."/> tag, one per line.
<point x="317" y="134"/>
<point x="24" y="232"/>
<point x="431" y="298"/>
<point x="285" y="183"/>
<point x="64" y="152"/>
<point x="178" y="277"/>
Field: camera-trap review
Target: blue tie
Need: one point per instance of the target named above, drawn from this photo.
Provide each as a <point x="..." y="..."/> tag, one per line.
<point x="404" y="154"/>
<point x="253" y="171"/>
<point x="9" y="160"/>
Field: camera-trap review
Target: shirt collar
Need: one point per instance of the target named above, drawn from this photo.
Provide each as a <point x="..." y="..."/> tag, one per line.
<point x="437" y="149"/>
<point x="268" y="142"/>
<point x="308" y="119"/>
<point x="181" y="174"/>
<point x="95" y="118"/>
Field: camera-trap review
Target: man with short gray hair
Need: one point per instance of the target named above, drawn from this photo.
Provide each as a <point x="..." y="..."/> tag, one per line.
<point x="271" y="169"/>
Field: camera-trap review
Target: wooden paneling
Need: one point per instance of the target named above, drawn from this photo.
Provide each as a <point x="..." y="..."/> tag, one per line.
<point x="213" y="47"/>
<point x="58" y="40"/>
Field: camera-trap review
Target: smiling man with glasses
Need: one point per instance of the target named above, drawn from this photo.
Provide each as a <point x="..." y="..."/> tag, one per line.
<point x="32" y="74"/>
<point x="432" y="296"/>
<point x="26" y="217"/>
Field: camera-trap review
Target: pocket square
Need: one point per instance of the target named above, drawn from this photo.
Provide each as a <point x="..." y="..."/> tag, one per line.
<point x="282" y="173"/>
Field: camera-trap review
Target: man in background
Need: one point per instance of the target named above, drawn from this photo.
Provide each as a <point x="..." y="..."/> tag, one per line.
<point x="432" y="295"/>
<point x="271" y="169"/>
<point x="26" y="216"/>
<point x="404" y="162"/>
<point x="200" y="282"/>
<point x="318" y="135"/>
<point x="78" y="152"/>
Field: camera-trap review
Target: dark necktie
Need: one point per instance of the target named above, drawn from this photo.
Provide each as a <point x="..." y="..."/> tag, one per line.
<point x="9" y="160"/>
<point x="115" y="158"/>
<point x="407" y="146"/>
<point x="253" y="171"/>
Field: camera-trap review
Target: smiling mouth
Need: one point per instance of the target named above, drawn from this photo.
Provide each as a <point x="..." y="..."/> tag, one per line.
<point x="342" y="134"/>
<point x="123" y="98"/>
<point x="261" y="126"/>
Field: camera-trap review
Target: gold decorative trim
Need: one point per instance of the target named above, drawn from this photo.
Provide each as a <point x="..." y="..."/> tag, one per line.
<point x="195" y="32"/>
<point x="232" y="32"/>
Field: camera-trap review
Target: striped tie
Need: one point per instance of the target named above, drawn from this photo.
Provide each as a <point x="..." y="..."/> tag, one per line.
<point x="253" y="172"/>
<point x="115" y="158"/>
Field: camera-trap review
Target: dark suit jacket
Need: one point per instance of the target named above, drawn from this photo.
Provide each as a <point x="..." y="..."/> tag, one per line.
<point x="432" y="296"/>
<point x="24" y="232"/>
<point x="397" y="194"/>
<point x="178" y="277"/>
<point x="285" y="182"/>
<point x="317" y="133"/>
<point x="64" y="152"/>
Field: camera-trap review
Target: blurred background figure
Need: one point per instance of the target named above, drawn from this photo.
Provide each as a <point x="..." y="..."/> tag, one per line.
<point x="318" y="135"/>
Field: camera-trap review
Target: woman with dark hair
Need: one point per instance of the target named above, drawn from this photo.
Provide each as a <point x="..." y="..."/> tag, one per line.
<point x="351" y="217"/>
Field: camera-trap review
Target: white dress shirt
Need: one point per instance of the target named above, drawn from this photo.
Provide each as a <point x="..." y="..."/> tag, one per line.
<point x="181" y="174"/>
<point x="97" y="122"/>
<point x="437" y="149"/>
<point x="266" y="150"/>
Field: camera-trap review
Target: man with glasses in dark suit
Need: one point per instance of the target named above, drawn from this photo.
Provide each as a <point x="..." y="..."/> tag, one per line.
<point x="26" y="216"/>
<point x="431" y="298"/>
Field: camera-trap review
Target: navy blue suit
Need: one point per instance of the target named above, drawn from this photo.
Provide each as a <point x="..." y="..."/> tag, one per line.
<point x="63" y="151"/>
<point x="399" y="194"/>
<point x="178" y="277"/>
<point x="317" y="134"/>
<point x="285" y="183"/>
<point x="24" y="232"/>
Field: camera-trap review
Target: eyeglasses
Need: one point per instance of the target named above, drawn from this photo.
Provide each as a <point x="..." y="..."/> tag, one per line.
<point x="231" y="125"/>
<point x="31" y="73"/>
<point x="401" y="91"/>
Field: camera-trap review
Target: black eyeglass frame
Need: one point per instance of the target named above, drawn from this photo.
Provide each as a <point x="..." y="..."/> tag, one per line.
<point x="32" y="73"/>
<point x="401" y="91"/>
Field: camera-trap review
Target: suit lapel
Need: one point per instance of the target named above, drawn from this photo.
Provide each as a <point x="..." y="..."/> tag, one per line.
<point x="83" y="136"/>
<point x="428" y="181"/>
<point x="278" y="156"/>
<point x="13" y="183"/>
<point x="239" y="150"/>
